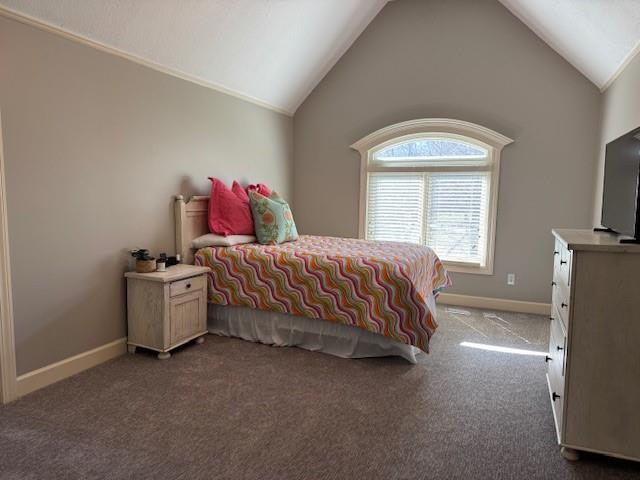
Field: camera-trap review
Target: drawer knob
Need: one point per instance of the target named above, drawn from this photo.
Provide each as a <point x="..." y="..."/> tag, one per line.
<point x="563" y="262"/>
<point x="547" y="359"/>
<point x="560" y="348"/>
<point x="188" y="285"/>
<point x="554" y="396"/>
<point x="564" y="305"/>
<point x="556" y="252"/>
<point x="551" y="318"/>
<point x="553" y="284"/>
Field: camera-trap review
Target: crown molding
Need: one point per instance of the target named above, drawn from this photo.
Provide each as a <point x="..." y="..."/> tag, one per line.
<point x="623" y="65"/>
<point x="56" y="30"/>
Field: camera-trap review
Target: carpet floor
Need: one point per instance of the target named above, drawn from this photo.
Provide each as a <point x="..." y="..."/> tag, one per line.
<point x="230" y="409"/>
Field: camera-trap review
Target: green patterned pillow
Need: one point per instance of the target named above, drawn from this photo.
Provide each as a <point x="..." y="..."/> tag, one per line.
<point x="272" y="218"/>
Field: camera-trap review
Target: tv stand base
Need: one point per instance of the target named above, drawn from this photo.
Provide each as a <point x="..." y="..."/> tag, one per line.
<point x="621" y="240"/>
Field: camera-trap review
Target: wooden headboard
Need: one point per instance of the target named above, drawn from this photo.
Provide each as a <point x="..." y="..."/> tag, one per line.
<point x="191" y="222"/>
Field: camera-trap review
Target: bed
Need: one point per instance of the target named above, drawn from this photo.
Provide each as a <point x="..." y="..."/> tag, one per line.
<point x="348" y="297"/>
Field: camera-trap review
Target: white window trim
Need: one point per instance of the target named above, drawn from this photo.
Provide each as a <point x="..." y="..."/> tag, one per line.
<point x="494" y="142"/>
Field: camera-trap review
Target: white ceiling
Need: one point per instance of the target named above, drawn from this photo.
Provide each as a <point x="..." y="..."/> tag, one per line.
<point x="596" y="36"/>
<point x="274" y="52"/>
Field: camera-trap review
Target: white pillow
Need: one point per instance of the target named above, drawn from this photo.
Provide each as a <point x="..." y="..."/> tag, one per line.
<point x="213" y="240"/>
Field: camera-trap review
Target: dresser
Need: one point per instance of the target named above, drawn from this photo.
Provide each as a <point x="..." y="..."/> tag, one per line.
<point x="166" y="309"/>
<point x="593" y="365"/>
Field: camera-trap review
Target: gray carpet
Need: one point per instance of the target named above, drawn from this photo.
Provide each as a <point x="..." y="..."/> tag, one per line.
<point x="230" y="409"/>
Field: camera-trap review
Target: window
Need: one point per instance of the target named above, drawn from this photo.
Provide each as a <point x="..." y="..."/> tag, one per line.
<point x="433" y="182"/>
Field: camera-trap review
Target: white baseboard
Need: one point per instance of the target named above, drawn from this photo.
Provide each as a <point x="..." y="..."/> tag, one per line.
<point x="55" y="372"/>
<point x="495" y="304"/>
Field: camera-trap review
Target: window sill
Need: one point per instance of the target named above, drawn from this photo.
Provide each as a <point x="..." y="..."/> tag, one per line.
<point x="467" y="268"/>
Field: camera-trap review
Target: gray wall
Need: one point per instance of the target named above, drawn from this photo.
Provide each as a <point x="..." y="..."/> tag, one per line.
<point x="95" y="146"/>
<point x="469" y="60"/>
<point x="620" y="114"/>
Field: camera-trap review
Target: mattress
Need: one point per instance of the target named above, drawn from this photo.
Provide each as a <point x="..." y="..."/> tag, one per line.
<point x="387" y="288"/>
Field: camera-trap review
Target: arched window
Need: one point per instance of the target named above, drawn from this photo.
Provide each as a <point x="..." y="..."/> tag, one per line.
<point x="433" y="182"/>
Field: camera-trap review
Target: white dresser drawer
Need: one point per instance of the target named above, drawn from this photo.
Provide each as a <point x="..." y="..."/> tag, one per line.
<point x="556" y="364"/>
<point x="561" y="303"/>
<point x="557" y="350"/>
<point x="562" y="259"/>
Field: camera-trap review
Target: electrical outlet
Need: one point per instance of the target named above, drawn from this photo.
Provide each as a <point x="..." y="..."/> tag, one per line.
<point x="511" y="279"/>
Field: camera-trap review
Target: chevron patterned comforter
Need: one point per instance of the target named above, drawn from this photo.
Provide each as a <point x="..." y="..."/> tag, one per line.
<point x="383" y="287"/>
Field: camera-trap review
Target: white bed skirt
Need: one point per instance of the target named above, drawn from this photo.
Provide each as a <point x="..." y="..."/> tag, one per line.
<point x="284" y="330"/>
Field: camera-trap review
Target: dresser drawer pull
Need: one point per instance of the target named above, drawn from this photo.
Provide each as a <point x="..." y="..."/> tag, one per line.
<point x="556" y="252"/>
<point x="553" y="284"/>
<point x="563" y="262"/>
<point x="554" y="396"/>
<point x="560" y="348"/>
<point x="551" y="318"/>
<point x="563" y="305"/>
<point x="547" y="358"/>
<point x="188" y="285"/>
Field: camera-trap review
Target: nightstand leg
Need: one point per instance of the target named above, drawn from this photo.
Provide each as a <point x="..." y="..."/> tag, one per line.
<point x="200" y="340"/>
<point x="164" y="355"/>
<point x="131" y="348"/>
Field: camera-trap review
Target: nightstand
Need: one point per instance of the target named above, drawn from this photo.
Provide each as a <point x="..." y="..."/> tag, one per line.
<point x="166" y="309"/>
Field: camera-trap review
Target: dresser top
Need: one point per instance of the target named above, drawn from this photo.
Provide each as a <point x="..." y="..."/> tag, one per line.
<point x="173" y="273"/>
<point x="594" y="241"/>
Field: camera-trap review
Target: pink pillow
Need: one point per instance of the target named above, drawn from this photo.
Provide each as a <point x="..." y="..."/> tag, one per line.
<point x="240" y="192"/>
<point x="261" y="188"/>
<point x="229" y="211"/>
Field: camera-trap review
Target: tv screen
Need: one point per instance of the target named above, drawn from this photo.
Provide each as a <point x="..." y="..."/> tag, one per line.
<point x="620" y="195"/>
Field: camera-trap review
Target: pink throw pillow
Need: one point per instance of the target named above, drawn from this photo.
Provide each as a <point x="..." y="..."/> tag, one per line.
<point x="229" y="211"/>
<point x="261" y="188"/>
<point x="240" y="192"/>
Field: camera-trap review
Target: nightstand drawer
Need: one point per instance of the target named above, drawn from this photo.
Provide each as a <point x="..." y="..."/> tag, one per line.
<point x="193" y="284"/>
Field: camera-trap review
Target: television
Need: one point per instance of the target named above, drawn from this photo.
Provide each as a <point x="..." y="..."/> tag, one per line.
<point x="620" y="196"/>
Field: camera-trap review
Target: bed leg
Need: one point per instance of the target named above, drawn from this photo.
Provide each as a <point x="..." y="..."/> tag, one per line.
<point x="200" y="340"/>
<point x="164" y="355"/>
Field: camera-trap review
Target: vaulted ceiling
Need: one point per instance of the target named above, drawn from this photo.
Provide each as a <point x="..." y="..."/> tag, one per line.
<point x="595" y="36"/>
<point x="274" y="52"/>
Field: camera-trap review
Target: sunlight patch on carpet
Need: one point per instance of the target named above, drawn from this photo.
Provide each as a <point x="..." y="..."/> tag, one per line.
<point x="496" y="348"/>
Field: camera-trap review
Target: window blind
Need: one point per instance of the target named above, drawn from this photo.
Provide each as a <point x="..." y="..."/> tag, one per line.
<point x="456" y="216"/>
<point x="395" y="207"/>
<point x="444" y="210"/>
